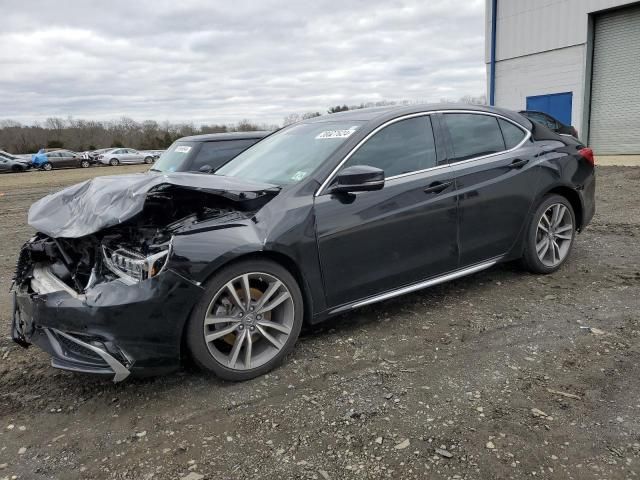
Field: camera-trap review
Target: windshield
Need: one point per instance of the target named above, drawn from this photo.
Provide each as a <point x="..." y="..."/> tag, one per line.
<point x="290" y="155"/>
<point x="174" y="157"/>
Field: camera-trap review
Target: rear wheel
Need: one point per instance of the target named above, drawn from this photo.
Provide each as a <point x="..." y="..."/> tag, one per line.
<point x="47" y="166"/>
<point x="114" y="162"/>
<point x="550" y="235"/>
<point x="247" y="321"/>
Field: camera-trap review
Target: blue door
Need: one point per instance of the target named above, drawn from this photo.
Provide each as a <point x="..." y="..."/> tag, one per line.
<point x="558" y="105"/>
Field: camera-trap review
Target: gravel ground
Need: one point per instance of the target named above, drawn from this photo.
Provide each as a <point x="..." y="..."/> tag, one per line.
<point x="492" y="376"/>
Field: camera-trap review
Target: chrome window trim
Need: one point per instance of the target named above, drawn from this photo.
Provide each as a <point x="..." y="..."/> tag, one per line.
<point x="325" y="184"/>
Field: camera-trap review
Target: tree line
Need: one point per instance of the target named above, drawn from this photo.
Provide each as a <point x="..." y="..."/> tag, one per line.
<point x="80" y="135"/>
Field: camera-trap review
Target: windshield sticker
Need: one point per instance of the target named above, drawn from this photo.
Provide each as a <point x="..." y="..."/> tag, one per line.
<point x="182" y="149"/>
<point x="299" y="176"/>
<point x="337" y="133"/>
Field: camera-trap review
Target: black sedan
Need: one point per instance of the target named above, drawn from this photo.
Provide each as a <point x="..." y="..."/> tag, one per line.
<point x="128" y="274"/>
<point x="205" y="153"/>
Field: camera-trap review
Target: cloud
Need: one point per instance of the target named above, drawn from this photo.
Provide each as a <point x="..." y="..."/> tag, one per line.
<point x="205" y="62"/>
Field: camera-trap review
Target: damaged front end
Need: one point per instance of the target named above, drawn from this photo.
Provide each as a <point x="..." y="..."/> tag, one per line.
<point x="107" y="299"/>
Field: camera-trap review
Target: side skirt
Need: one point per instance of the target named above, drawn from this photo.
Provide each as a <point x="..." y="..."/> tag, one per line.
<point x="418" y="286"/>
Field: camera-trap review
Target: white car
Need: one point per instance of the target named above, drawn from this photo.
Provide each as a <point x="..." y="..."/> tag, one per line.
<point x="119" y="156"/>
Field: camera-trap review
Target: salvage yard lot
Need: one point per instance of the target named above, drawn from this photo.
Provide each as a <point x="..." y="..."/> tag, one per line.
<point x="490" y="376"/>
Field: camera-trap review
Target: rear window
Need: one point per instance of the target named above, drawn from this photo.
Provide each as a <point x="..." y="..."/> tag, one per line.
<point x="473" y="135"/>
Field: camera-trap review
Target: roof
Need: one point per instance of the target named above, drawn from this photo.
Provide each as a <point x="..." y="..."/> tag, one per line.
<point x="386" y="113"/>
<point x="214" y="137"/>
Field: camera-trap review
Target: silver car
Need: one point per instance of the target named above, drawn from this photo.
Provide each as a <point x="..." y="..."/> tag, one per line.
<point x="119" y="156"/>
<point x="12" y="163"/>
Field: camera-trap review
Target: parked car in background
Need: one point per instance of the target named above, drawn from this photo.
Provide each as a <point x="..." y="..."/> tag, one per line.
<point x="320" y="218"/>
<point x="205" y="153"/>
<point x="154" y="153"/>
<point x="92" y="155"/>
<point x="13" y="163"/>
<point x="550" y="122"/>
<point x="48" y="160"/>
<point x="118" y="156"/>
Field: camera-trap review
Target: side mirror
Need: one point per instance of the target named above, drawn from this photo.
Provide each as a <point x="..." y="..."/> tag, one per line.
<point x="359" y="178"/>
<point x="206" y="169"/>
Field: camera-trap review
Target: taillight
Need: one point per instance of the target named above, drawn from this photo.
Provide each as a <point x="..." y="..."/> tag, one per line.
<point x="587" y="154"/>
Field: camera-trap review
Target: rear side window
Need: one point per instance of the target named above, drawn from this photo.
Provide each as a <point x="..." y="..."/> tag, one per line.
<point x="402" y="147"/>
<point x="512" y="134"/>
<point x="473" y="135"/>
<point x="216" y="154"/>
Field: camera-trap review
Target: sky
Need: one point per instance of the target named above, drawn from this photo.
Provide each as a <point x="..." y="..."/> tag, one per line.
<point x="213" y="61"/>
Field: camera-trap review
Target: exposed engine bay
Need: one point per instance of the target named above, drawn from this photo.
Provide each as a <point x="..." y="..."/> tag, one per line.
<point x="132" y="251"/>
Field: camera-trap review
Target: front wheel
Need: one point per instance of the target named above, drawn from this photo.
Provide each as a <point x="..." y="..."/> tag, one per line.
<point x="114" y="162"/>
<point x="85" y="164"/>
<point x="550" y="235"/>
<point x="247" y="321"/>
<point x="148" y="160"/>
<point x="47" y="166"/>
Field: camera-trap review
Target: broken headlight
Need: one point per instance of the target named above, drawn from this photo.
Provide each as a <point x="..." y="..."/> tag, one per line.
<point x="133" y="267"/>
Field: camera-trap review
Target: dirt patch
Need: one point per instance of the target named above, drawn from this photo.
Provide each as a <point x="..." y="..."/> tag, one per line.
<point x="491" y="376"/>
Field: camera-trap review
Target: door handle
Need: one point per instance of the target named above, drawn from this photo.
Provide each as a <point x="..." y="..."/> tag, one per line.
<point x="518" y="163"/>
<point x="437" y="187"/>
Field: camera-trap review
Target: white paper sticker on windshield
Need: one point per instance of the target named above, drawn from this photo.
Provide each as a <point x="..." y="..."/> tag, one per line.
<point x="337" y="133"/>
<point x="299" y="176"/>
<point x="183" y="149"/>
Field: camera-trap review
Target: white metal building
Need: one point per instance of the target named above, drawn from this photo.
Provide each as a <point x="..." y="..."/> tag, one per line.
<point x="578" y="60"/>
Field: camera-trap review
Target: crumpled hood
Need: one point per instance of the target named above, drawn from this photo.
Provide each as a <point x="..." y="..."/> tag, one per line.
<point x="102" y="202"/>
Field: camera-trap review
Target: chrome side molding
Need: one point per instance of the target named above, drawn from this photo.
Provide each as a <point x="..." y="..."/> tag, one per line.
<point x="427" y="283"/>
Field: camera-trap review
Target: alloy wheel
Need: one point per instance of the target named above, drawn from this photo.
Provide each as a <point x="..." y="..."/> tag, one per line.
<point x="554" y="235"/>
<point x="249" y="321"/>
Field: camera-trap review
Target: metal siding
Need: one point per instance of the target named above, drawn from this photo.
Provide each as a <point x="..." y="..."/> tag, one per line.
<point x="615" y="86"/>
<point x="545" y="73"/>
<point x="527" y="27"/>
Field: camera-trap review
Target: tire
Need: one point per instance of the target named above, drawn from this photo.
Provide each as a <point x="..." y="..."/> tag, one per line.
<point x="265" y="353"/>
<point x="114" y="162"/>
<point x="544" y="261"/>
<point x="148" y="160"/>
<point x="16" y="169"/>
<point x="85" y="164"/>
<point x="47" y="166"/>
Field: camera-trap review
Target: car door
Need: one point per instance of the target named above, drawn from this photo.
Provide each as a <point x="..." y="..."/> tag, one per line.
<point x="493" y="160"/>
<point x="135" y="156"/>
<point x="124" y="156"/>
<point x="55" y="159"/>
<point x="377" y="241"/>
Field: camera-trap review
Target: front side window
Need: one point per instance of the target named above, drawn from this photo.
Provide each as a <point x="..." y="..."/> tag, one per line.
<point x="402" y="147"/>
<point x="215" y="154"/>
<point x="291" y="154"/>
<point x="473" y="135"/>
